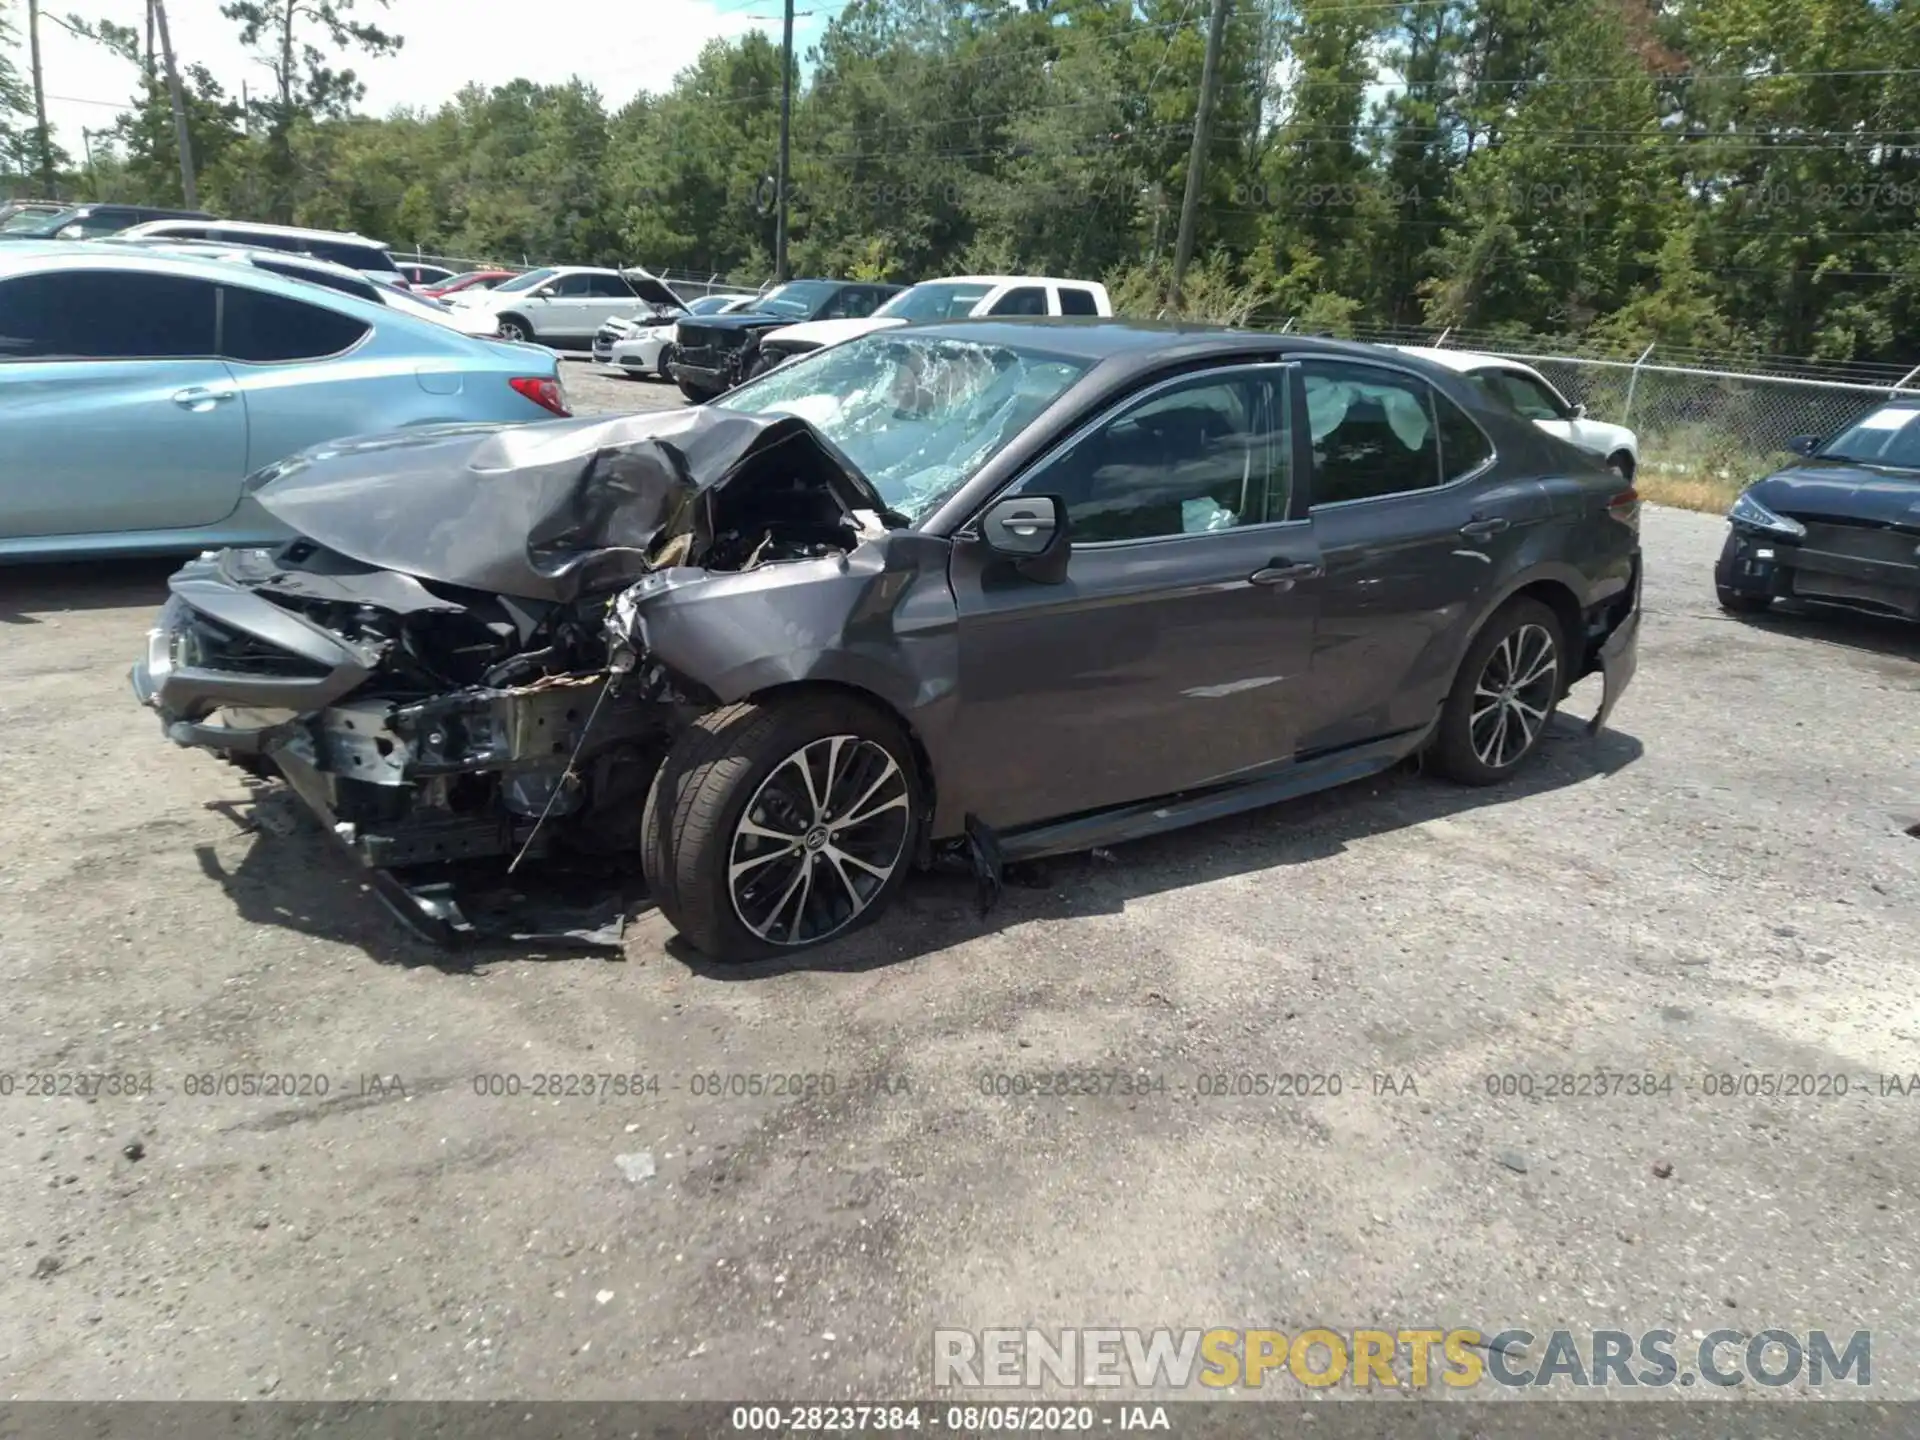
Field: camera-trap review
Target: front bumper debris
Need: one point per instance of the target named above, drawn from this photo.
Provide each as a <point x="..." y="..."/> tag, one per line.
<point x="383" y="779"/>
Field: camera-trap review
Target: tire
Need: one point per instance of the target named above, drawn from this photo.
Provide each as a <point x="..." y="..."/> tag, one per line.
<point x="1478" y="751"/>
<point x="762" y="363"/>
<point x="735" y="769"/>
<point x="666" y="359"/>
<point x="1621" y="464"/>
<point x="515" y="327"/>
<point x="697" y="394"/>
<point x="1735" y="603"/>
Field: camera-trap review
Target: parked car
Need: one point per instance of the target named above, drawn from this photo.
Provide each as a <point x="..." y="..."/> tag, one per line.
<point x="421" y="276"/>
<point x="1000" y="589"/>
<point x="639" y="349"/>
<point x="323" y="273"/>
<point x="565" y="304"/>
<point x="1534" y="397"/>
<point x="138" y="390"/>
<point x="18" y="215"/>
<point x="1840" y="526"/>
<point x="87" y="222"/>
<point x="714" y="353"/>
<point x="471" y="280"/>
<point x="954" y="298"/>
<point x="357" y="252"/>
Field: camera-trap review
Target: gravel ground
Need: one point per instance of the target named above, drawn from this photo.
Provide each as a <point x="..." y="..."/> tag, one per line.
<point x="1720" y="883"/>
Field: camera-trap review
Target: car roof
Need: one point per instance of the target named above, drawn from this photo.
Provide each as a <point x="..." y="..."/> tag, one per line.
<point x="291" y="231"/>
<point x="1462" y="360"/>
<point x="54" y="256"/>
<point x="1100" y="337"/>
<point x="1007" y="280"/>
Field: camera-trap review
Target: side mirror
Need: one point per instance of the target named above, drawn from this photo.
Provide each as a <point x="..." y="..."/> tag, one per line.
<point x="1031" y="531"/>
<point x="1804" y="444"/>
<point x="1580" y="411"/>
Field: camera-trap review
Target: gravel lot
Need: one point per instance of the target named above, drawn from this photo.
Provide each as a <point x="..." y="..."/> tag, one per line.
<point x="1720" y="883"/>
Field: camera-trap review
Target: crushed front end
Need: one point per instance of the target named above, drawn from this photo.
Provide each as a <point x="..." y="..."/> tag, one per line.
<point x="445" y="667"/>
<point x="425" y="727"/>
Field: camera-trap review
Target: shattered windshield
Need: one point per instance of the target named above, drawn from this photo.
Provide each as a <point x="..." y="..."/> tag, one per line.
<point x="917" y="414"/>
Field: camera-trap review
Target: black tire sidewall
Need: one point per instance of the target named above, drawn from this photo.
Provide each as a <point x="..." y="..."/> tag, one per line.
<point x="526" y="331"/>
<point x="1453" y="745"/>
<point x="696" y="897"/>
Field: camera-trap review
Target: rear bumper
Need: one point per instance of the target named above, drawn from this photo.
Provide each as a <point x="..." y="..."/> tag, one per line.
<point x="1762" y="565"/>
<point x="1619" y="659"/>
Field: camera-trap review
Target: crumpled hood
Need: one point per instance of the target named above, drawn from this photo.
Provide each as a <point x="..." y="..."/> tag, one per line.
<point x="1843" y="492"/>
<point x="544" y="511"/>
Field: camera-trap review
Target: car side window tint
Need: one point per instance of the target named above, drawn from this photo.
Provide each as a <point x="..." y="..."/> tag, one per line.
<point x="263" y="329"/>
<point x="1207" y="455"/>
<point x="572" y="287"/>
<point x="1076" y="301"/>
<point x="1373" y="431"/>
<point x="1026" y="300"/>
<point x="106" y="315"/>
<point x="1464" y="446"/>
<point x="610" y="287"/>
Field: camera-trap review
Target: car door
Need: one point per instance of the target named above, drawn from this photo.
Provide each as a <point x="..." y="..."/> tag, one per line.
<point x="115" y="414"/>
<point x="1413" y="528"/>
<point x="607" y="296"/>
<point x="1170" y="655"/>
<point x="307" y="374"/>
<point x="559" y="308"/>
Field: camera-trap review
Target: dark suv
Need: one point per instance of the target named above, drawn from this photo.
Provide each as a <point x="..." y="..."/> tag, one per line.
<point x="714" y="353"/>
<point x="89" y="222"/>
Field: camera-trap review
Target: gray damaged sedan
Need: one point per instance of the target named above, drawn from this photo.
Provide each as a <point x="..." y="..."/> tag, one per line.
<point x="991" y="590"/>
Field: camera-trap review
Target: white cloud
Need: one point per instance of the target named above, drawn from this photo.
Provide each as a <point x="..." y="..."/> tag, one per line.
<point x="618" y="46"/>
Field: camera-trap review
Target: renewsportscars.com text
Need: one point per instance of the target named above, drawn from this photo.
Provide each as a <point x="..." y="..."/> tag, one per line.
<point x="1418" y="1358"/>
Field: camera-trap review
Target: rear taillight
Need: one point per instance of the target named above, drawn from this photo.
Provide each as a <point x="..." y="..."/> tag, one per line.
<point x="544" y="391"/>
<point x="1625" y="507"/>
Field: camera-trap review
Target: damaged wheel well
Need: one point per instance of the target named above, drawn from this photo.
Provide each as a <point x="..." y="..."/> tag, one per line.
<point x="1566" y="609"/>
<point x="922" y="762"/>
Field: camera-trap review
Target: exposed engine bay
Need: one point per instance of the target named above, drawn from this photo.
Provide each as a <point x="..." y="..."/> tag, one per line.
<point x="453" y="662"/>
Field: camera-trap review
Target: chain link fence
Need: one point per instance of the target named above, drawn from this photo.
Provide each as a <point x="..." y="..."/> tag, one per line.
<point x="1719" y="425"/>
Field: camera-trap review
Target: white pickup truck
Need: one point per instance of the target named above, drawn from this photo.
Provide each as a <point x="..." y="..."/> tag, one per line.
<point x="955" y="297"/>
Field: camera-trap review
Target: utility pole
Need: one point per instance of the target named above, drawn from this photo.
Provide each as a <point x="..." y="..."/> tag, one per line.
<point x="182" y="141"/>
<point x="786" y="129"/>
<point x="41" y="134"/>
<point x="149" y="54"/>
<point x="1197" y="160"/>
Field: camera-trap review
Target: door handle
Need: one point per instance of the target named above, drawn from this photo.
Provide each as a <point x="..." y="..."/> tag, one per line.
<point x="1285" y="574"/>
<point x="1482" y="526"/>
<point x="199" y="397"/>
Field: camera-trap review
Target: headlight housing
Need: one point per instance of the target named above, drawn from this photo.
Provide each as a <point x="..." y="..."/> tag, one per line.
<point x="1751" y="513"/>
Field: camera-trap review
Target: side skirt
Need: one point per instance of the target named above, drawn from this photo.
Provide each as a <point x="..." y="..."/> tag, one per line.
<point x="1175" y="812"/>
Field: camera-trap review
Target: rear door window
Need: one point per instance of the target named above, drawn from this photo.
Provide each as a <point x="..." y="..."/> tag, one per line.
<point x="263" y="329"/>
<point x="1373" y="432"/>
<point x="1077" y="301"/>
<point x="1023" y="300"/>
<point x="106" y="315"/>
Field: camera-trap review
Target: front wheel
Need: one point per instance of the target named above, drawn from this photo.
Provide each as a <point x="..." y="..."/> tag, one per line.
<point x="696" y="394"/>
<point x="666" y="360"/>
<point x="1506" y="691"/>
<point x="512" y="327"/>
<point x="772" y="829"/>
